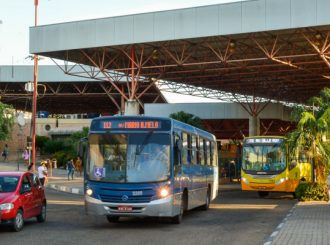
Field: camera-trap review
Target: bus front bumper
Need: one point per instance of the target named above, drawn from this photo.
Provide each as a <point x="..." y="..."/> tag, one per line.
<point x="158" y="208"/>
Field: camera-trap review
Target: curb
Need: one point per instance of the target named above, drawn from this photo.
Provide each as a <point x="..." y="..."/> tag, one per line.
<point x="270" y="239"/>
<point x="63" y="188"/>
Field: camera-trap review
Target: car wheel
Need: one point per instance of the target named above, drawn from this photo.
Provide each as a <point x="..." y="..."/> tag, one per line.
<point x="112" y="219"/>
<point x="43" y="213"/>
<point x="18" y="221"/>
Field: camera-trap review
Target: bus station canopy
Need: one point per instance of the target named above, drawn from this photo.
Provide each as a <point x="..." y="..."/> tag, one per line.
<point x="273" y="49"/>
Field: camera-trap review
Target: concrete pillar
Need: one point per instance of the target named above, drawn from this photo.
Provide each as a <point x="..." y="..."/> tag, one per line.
<point x="132" y="108"/>
<point x="254" y="126"/>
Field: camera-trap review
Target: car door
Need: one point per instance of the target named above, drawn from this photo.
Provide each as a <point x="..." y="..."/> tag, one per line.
<point x="38" y="193"/>
<point x="26" y="197"/>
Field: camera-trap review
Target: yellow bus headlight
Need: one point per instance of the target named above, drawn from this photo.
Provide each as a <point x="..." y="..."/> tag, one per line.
<point x="245" y="180"/>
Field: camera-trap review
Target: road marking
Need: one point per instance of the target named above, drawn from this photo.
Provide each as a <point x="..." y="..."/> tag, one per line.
<point x="243" y="206"/>
<point x="60" y="202"/>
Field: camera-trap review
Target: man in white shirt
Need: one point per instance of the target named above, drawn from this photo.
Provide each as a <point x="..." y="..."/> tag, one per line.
<point x="42" y="172"/>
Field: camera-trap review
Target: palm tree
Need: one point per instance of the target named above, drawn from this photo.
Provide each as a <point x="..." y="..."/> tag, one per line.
<point x="311" y="133"/>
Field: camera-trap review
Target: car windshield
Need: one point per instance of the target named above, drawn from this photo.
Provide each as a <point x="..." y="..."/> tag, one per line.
<point x="129" y="158"/>
<point x="8" y="183"/>
<point x="264" y="158"/>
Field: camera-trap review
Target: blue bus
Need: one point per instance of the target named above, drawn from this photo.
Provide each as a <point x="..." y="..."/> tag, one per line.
<point x="148" y="167"/>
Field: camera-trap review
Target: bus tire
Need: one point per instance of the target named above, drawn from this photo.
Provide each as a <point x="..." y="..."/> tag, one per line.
<point x="263" y="194"/>
<point x="113" y="219"/>
<point x="178" y="218"/>
<point x="207" y="200"/>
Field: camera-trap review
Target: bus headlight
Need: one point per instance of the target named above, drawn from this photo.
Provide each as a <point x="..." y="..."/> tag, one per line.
<point x="280" y="181"/>
<point x="164" y="192"/>
<point x="245" y="180"/>
<point x="89" y="191"/>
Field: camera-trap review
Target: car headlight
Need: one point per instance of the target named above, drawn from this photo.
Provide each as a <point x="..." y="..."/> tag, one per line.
<point x="245" y="180"/>
<point x="89" y="191"/>
<point x="280" y="181"/>
<point x="6" y="206"/>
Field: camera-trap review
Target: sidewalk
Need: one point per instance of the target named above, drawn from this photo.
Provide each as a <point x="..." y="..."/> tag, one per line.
<point x="58" y="181"/>
<point x="307" y="222"/>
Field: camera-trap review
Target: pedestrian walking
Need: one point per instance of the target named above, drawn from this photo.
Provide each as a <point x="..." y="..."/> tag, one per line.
<point x="71" y="168"/>
<point x="26" y="156"/>
<point x="42" y="172"/>
<point x="5" y="152"/>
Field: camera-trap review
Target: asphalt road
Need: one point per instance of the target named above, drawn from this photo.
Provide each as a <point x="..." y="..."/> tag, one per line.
<point x="235" y="217"/>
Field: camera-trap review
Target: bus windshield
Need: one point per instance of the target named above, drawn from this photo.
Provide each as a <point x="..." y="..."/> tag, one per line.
<point x="129" y="158"/>
<point x="263" y="158"/>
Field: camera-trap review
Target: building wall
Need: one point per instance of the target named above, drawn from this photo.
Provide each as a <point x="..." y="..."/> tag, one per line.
<point x="18" y="139"/>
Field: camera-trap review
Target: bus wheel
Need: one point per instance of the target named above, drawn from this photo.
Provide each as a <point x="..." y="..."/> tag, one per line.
<point x="207" y="200"/>
<point x="178" y="218"/>
<point x="294" y="195"/>
<point x="112" y="219"/>
<point x="263" y="193"/>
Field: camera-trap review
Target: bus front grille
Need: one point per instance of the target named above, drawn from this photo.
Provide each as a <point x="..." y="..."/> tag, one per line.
<point x="126" y="194"/>
<point x="125" y="198"/>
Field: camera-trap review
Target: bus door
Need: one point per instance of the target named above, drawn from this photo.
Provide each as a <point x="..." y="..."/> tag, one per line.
<point x="294" y="176"/>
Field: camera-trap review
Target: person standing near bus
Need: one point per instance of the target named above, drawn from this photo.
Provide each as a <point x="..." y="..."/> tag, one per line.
<point x="78" y="165"/>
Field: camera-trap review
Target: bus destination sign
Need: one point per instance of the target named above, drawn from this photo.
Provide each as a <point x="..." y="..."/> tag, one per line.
<point x="263" y="141"/>
<point x="119" y="124"/>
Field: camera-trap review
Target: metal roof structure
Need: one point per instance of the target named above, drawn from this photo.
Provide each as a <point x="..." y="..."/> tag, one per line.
<point x="273" y="49"/>
<point x="63" y="94"/>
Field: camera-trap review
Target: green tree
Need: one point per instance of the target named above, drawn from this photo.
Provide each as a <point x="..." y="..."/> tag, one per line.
<point x="311" y="133"/>
<point x="6" y="121"/>
<point x="187" y="118"/>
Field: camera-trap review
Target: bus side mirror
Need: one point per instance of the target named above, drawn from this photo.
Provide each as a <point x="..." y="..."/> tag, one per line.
<point x="293" y="164"/>
<point x="178" y="144"/>
<point x="82" y="147"/>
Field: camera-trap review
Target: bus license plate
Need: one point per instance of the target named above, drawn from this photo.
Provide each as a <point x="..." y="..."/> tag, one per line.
<point x="124" y="209"/>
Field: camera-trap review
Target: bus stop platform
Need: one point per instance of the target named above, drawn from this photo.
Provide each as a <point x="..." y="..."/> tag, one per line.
<point x="306" y="223"/>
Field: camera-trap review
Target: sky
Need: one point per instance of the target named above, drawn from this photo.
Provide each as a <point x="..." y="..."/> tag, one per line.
<point x="16" y="16"/>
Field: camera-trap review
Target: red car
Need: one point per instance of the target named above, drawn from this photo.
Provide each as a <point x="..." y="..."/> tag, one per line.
<point x="21" y="197"/>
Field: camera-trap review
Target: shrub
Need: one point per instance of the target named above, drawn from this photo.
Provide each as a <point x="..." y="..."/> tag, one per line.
<point x="53" y="146"/>
<point x="309" y="191"/>
<point x="62" y="158"/>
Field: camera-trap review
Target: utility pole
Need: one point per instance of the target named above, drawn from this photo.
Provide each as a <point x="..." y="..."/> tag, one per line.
<point x="35" y="93"/>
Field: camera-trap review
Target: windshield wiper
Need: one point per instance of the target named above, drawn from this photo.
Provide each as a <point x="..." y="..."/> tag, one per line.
<point x="145" y="140"/>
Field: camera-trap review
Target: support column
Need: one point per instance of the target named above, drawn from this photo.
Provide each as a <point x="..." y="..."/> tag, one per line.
<point x="254" y="126"/>
<point x="132" y="108"/>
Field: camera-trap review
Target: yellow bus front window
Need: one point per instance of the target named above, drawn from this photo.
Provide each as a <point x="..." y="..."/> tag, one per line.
<point x="264" y="158"/>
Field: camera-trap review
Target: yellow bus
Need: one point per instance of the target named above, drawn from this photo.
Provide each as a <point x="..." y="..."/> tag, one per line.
<point x="267" y="166"/>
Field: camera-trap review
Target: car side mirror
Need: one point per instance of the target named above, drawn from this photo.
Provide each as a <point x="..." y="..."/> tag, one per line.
<point x="26" y="188"/>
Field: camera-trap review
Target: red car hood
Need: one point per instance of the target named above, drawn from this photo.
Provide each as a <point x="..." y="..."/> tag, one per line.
<point x="7" y="197"/>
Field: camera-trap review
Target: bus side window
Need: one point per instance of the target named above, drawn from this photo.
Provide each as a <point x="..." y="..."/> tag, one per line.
<point x="201" y="151"/>
<point x="185" y="152"/>
<point x="194" y="149"/>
